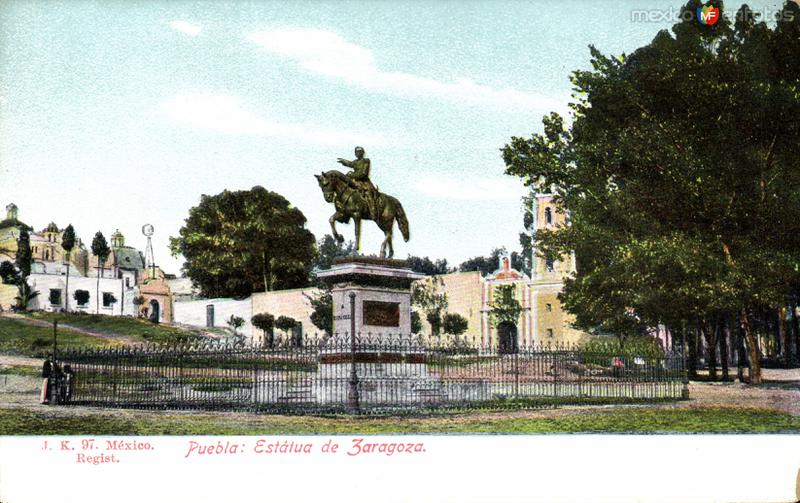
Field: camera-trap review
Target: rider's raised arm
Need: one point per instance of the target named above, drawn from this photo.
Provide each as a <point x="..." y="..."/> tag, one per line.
<point x="345" y="162"/>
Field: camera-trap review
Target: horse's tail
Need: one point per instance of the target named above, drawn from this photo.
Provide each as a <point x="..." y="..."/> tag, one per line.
<point x="402" y="221"/>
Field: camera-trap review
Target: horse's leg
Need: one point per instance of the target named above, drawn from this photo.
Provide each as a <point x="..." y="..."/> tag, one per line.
<point x="332" y="220"/>
<point x="386" y="226"/>
<point x="358" y="233"/>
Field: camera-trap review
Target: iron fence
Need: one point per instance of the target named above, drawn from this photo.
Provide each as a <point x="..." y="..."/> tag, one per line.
<point x="362" y="374"/>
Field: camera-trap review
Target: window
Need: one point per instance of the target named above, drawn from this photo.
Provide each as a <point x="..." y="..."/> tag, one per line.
<point x="549" y="332"/>
<point x="55" y="296"/>
<point x="127" y="282"/>
<point x="47" y="255"/>
<point x="548" y="216"/>
<point x="550" y="264"/>
<point x="108" y="299"/>
<point x="548" y="307"/>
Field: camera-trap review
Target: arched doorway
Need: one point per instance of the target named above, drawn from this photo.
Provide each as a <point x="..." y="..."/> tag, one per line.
<point x="507" y="337"/>
<point x="155" y="311"/>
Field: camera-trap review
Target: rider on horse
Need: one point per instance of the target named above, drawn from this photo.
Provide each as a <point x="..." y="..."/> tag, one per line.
<point x="359" y="179"/>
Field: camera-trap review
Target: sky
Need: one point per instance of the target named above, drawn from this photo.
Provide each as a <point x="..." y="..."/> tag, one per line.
<point x="119" y="113"/>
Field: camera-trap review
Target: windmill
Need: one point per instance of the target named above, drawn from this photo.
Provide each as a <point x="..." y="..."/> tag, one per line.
<point x="149" y="259"/>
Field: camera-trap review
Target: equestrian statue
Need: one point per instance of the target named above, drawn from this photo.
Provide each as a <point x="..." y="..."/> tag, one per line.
<point x="354" y="196"/>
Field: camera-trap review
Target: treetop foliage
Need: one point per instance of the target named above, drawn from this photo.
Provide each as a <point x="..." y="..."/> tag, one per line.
<point x="239" y="242"/>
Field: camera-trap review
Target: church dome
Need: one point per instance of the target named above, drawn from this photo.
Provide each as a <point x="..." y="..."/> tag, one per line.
<point x="51" y="227"/>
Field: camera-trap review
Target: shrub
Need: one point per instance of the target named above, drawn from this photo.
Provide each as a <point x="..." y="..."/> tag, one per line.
<point x="454" y="324"/>
<point x="285" y="323"/>
<point x="416" y="323"/>
<point x="263" y="321"/>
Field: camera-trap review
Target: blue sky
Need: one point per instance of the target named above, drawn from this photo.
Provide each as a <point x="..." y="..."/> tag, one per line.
<point x="119" y="113"/>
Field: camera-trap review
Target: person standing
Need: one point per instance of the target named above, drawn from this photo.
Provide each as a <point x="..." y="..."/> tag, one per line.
<point x="67" y="381"/>
<point x="47" y="370"/>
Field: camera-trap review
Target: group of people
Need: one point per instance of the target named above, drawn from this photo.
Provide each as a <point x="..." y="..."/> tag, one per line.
<point x="54" y="378"/>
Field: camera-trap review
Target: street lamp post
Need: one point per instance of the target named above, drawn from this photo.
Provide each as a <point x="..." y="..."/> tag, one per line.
<point x="53" y="374"/>
<point x="352" y="394"/>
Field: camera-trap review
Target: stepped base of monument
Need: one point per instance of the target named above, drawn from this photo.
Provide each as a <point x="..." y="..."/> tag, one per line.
<point x="388" y="378"/>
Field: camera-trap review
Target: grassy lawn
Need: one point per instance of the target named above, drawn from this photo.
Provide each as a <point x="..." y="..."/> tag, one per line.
<point x="21" y="370"/>
<point x="138" y="329"/>
<point x="635" y="420"/>
<point x="18" y="337"/>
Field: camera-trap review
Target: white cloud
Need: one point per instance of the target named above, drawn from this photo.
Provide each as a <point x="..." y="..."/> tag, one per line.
<point x="225" y="114"/>
<point x="326" y="53"/>
<point x="186" y="27"/>
<point x="470" y="189"/>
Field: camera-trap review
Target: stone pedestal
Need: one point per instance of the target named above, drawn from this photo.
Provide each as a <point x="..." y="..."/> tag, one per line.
<point x="383" y="296"/>
<point x="389" y="363"/>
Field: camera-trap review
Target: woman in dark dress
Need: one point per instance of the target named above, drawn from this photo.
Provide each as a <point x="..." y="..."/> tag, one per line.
<point x="47" y="369"/>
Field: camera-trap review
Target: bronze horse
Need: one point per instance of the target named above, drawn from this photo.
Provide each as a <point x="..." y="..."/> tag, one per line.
<point x="350" y="203"/>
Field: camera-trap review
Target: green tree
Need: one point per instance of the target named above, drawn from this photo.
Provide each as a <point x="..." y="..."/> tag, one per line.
<point x="239" y="242"/>
<point x="138" y="301"/>
<point x="23" y="261"/>
<point x="680" y="168"/>
<point x="101" y="250"/>
<point x="489" y="264"/>
<point x="266" y="323"/>
<point x="68" y="244"/>
<point x="424" y="265"/>
<point x="416" y="323"/>
<point x="235" y="323"/>
<point x="329" y="249"/>
<point x="427" y="295"/>
<point x="504" y="306"/>
<point x="454" y="324"/>
<point x="286" y="324"/>
<point x="8" y="273"/>
<point x="322" y="305"/>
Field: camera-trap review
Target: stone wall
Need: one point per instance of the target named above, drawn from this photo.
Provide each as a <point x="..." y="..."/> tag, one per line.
<point x="292" y="303"/>
<point x="463" y="297"/>
<point x="194" y="313"/>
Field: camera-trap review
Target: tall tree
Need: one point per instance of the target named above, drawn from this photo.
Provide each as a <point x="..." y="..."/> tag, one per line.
<point x="239" y="242"/>
<point x="429" y="296"/>
<point x="321" y="303"/>
<point x="489" y="264"/>
<point x="424" y="265"/>
<point x="329" y="249"/>
<point x="68" y="244"/>
<point x="23" y="261"/>
<point x="101" y="250"/>
<point x="681" y="170"/>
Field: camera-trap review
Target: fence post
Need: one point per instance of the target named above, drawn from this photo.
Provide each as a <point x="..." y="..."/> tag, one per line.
<point x="685" y="372"/>
<point x="516" y="374"/>
<point x="53" y="373"/>
<point x="352" y="394"/>
<point x="554" y="355"/>
<point x="254" y="355"/>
